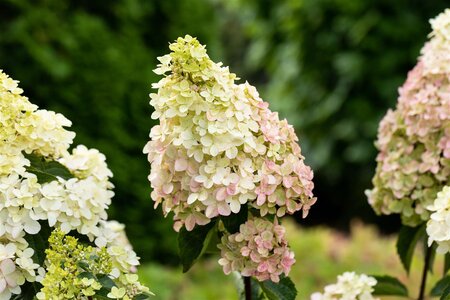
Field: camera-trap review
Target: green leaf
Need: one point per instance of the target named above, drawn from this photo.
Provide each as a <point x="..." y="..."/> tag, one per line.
<point x="102" y="293"/>
<point x="446" y="263"/>
<point x="142" y="296"/>
<point x="211" y="242"/>
<point x="106" y="281"/>
<point x="191" y="244"/>
<point x="406" y="243"/>
<point x="446" y="294"/>
<point x="86" y="274"/>
<point x="39" y="242"/>
<point x="387" y="285"/>
<point x="283" y="290"/>
<point x="83" y="265"/>
<point x="46" y="171"/>
<point x="234" y="221"/>
<point x="440" y="286"/>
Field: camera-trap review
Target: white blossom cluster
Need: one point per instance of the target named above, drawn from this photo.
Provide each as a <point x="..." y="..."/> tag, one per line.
<point x="438" y="227"/>
<point x="350" y="286"/>
<point x="77" y="203"/>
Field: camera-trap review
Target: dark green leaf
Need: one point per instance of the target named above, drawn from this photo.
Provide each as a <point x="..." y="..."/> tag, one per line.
<point x="105" y="281"/>
<point x="406" y="243"/>
<point x="46" y="171"/>
<point x="387" y="285"/>
<point x="234" y="221"/>
<point x="141" y="297"/>
<point x="83" y="265"/>
<point x="88" y="275"/>
<point x="440" y="286"/>
<point x="102" y="293"/>
<point x="283" y="290"/>
<point x="446" y="294"/>
<point x="192" y="243"/>
<point x="39" y="242"/>
<point x="446" y="263"/>
<point x="211" y="242"/>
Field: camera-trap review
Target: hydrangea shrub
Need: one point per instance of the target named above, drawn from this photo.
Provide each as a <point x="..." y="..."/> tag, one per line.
<point x="414" y="139"/>
<point x="220" y="155"/>
<point x="44" y="187"/>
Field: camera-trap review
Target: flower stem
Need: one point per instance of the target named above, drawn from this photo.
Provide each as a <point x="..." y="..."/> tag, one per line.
<point x="248" y="288"/>
<point x="425" y="272"/>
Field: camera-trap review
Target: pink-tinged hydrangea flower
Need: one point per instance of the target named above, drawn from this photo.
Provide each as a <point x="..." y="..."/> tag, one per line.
<point x="259" y="250"/>
<point x="350" y="286"/>
<point x="438" y="227"/>
<point x="218" y="146"/>
<point x="414" y="139"/>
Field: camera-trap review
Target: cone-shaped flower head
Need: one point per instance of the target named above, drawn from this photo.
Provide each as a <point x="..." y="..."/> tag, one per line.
<point x="414" y="139"/>
<point x="218" y="146"/>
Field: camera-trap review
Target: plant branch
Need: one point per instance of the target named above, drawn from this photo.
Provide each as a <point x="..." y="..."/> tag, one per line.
<point x="426" y="266"/>
<point x="248" y="287"/>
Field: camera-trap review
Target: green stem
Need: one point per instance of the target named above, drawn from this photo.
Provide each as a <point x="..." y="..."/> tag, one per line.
<point x="248" y="288"/>
<point x="426" y="266"/>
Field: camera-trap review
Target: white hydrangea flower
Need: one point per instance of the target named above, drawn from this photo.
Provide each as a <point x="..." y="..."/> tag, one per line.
<point x="113" y="237"/>
<point x="350" y="286"/>
<point x="78" y="203"/>
<point x="10" y="279"/>
<point x="435" y="54"/>
<point x="438" y="226"/>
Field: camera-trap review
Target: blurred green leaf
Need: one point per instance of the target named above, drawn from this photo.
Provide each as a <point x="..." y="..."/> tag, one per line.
<point x="440" y="287"/>
<point x="389" y="286"/>
<point x="406" y="243"/>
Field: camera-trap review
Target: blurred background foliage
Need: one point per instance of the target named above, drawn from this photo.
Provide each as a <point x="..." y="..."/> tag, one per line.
<point x="331" y="67"/>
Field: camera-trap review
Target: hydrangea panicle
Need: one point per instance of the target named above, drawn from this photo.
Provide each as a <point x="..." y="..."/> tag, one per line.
<point x="414" y="139"/>
<point x="218" y="146"/>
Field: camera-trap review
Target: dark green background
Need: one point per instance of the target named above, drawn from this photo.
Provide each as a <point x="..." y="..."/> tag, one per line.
<point x="332" y="67"/>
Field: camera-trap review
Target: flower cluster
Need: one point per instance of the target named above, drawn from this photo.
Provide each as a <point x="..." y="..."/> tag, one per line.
<point x="350" y="286"/>
<point x="77" y="271"/>
<point x="438" y="227"/>
<point x="414" y="140"/>
<point x="42" y="184"/>
<point x="218" y="146"/>
<point x="259" y="250"/>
